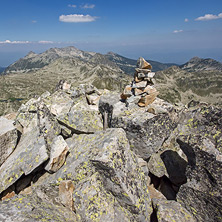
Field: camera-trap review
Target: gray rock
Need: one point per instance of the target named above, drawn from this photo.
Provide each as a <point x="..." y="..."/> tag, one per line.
<point x="168" y="211"/>
<point x="30" y="153"/>
<point x="59" y="103"/>
<point x="198" y="135"/>
<point x="108" y="180"/>
<point x="42" y="204"/>
<point x="169" y="164"/>
<point x="145" y="131"/>
<point x="83" y="89"/>
<point x="82" y="121"/>
<point x="8" y="138"/>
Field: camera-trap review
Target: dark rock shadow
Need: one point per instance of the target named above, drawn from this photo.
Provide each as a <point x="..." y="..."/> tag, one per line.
<point x="189" y="152"/>
<point x="175" y="166"/>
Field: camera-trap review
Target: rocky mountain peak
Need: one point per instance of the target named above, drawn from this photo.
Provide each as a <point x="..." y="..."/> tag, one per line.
<point x="199" y="64"/>
<point x="83" y="154"/>
<point x="31" y="54"/>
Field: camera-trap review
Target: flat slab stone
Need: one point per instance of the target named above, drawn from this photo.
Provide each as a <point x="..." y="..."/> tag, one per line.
<point x="30" y="153"/>
<point x="82" y="121"/>
<point x="8" y="138"/>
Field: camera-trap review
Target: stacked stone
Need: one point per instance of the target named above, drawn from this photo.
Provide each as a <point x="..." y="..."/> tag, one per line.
<point x="143" y="85"/>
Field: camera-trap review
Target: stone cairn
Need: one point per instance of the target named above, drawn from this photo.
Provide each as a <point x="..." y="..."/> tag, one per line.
<point x="142" y="87"/>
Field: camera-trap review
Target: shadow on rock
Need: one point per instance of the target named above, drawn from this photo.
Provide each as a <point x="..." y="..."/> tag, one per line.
<point x="175" y="166"/>
<point x="189" y="152"/>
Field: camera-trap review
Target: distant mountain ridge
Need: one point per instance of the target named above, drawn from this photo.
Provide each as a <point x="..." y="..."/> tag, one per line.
<point x="129" y="65"/>
<point x="33" y="61"/>
<point x="199" y="64"/>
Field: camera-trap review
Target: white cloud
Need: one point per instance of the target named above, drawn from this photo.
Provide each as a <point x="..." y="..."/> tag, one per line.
<point x="14" y="42"/>
<point x="186" y="20"/>
<point x="25" y="42"/>
<point x="34" y="21"/>
<point x="45" y="42"/>
<point x="87" y="6"/>
<point x="177" y="31"/>
<point x="208" y="17"/>
<point x="72" y="6"/>
<point x="77" y="18"/>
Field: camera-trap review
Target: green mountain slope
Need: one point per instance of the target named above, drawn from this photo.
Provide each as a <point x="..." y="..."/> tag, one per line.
<point x="177" y="85"/>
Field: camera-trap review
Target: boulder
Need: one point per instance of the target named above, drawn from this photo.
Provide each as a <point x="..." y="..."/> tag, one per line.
<point x="42" y="205"/>
<point x="169" y="164"/>
<point x="29" y="154"/>
<point x="109" y="183"/>
<point x="83" y="89"/>
<point x="198" y="135"/>
<point x="8" y="138"/>
<point x="154" y="193"/>
<point x="146" y="132"/>
<point x="202" y="194"/>
<point x="168" y="211"/>
<point x="81" y="121"/>
<point x="63" y="84"/>
<point x="59" y="103"/>
<point x="58" y="153"/>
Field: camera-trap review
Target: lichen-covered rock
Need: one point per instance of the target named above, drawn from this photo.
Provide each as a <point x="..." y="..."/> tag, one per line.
<point x="169" y="164"/>
<point x="168" y="211"/>
<point x="42" y="205"/>
<point x="108" y="181"/>
<point x="59" y="102"/>
<point x="199" y="136"/>
<point x="82" y="121"/>
<point x="146" y="132"/>
<point x="8" y="138"/>
<point x="30" y="153"/>
<point x="202" y="194"/>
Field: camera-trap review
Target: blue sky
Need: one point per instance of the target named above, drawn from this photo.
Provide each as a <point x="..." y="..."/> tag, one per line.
<point x="162" y="30"/>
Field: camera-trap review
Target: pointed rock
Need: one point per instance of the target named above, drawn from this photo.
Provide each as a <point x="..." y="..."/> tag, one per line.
<point x="143" y="64"/>
<point x="58" y="153"/>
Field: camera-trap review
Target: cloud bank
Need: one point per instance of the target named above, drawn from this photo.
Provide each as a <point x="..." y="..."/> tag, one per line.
<point x="75" y="18"/>
<point x="177" y="31"/>
<point x="208" y="17"/>
<point x="26" y="42"/>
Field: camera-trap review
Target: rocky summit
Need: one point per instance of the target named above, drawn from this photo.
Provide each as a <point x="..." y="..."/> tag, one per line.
<point x="84" y="154"/>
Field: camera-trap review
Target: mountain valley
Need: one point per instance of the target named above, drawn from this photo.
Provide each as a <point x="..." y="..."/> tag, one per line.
<point x="198" y="79"/>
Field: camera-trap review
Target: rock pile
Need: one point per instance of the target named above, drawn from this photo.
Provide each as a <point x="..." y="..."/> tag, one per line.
<point x="58" y="164"/>
<point x="142" y="87"/>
